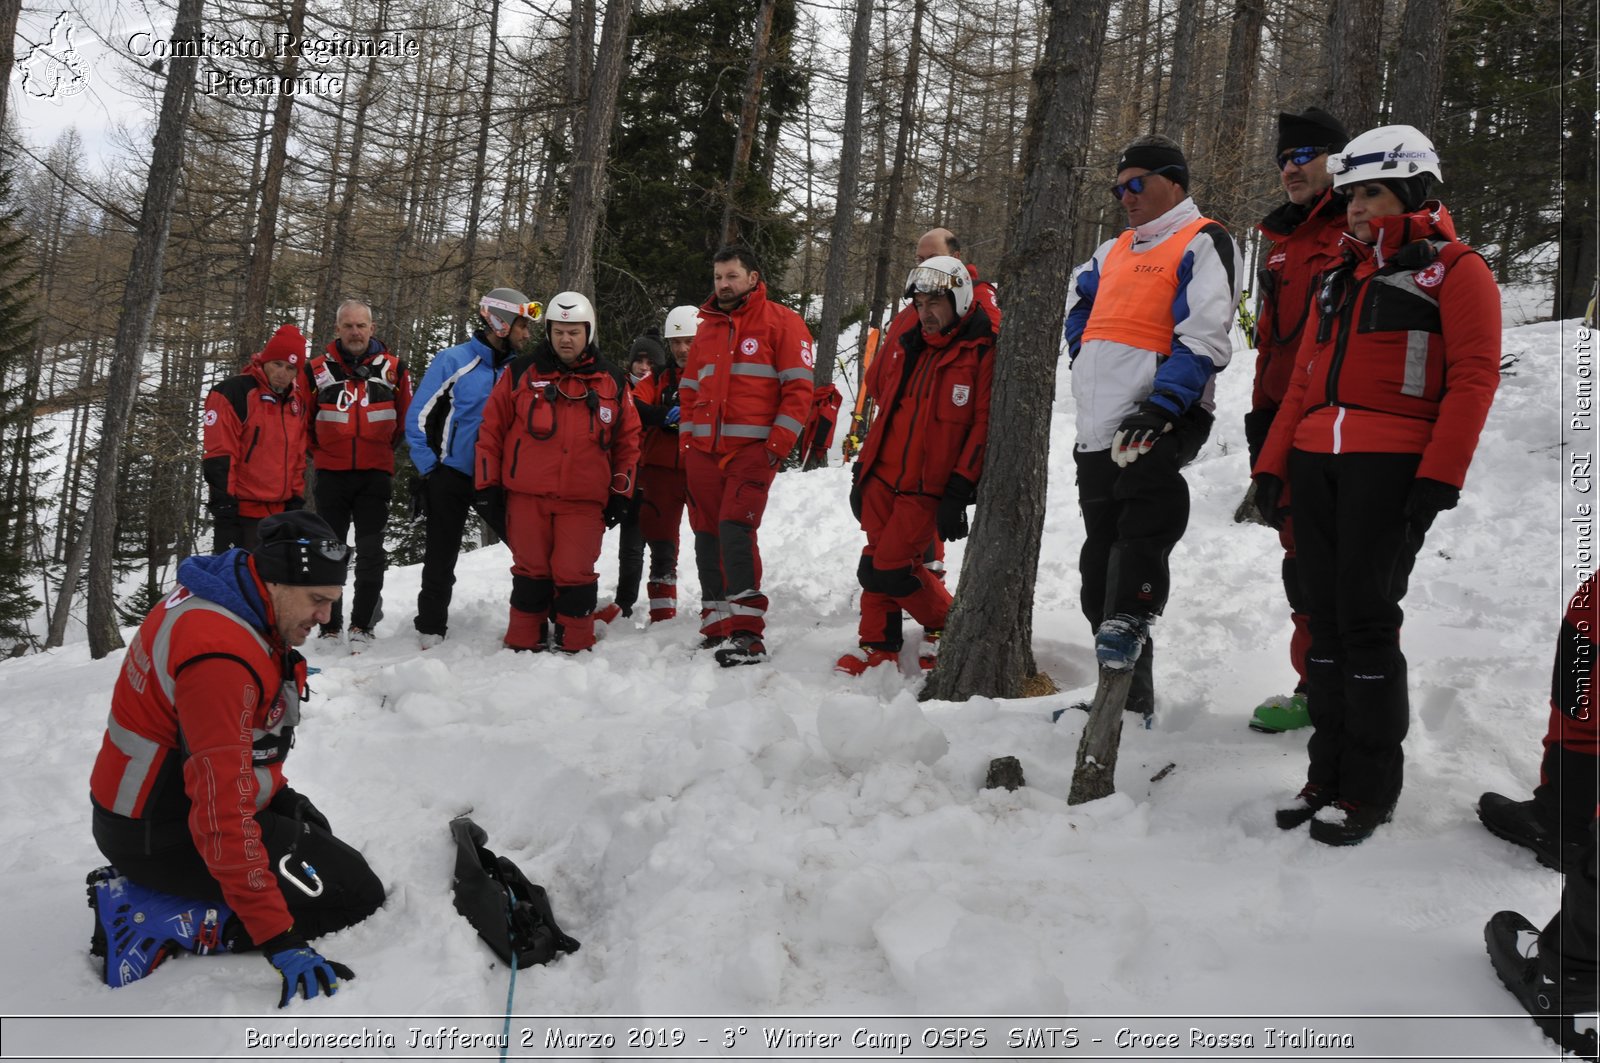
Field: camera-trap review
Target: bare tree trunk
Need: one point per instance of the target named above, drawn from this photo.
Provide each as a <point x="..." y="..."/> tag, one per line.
<point x="589" y="168"/>
<point x="1229" y="189"/>
<point x="1354" y="46"/>
<point x="897" y="175"/>
<point x="328" y="304"/>
<point x="253" y="322"/>
<point x="1419" y="64"/>
<point x="140" y="294"/>
<point x="749" y="113"/>
<point x="10" y="11"/>
<point x="844" y="207"/>
<point x="1179" y="91"/>
<point x="469" y="246"/>
<point x="988" y="644"/>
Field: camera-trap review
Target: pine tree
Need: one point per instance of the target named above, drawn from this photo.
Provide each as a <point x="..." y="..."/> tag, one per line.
<point x="17" y="504"/>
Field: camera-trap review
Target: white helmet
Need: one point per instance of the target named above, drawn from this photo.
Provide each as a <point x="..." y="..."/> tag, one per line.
<point x="569" y="307"/>
<point x="1388" y="153"/>
<point x="682" y="323"/>
<point x="501" y="308"/>
<point x="942" y="273"/>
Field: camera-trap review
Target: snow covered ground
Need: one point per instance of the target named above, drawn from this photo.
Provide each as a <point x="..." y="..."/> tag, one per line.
<point x="784" y="841"/>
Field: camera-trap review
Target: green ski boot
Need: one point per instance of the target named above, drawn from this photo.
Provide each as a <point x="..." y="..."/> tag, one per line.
<point x="1281" y="713"/>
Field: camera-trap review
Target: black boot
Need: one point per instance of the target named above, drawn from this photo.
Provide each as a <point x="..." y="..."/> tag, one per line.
<point x="1360" y="819"/>
<point x="1307" y="803"/>
<point x="1524" y="823"/>
<point x="1564" y="1010"/>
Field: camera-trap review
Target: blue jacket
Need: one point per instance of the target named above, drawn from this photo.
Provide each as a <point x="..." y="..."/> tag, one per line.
<point x="447" y="410"/>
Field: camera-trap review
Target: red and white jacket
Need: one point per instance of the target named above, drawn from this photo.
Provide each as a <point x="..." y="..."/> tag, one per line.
<point x="1302" y="245"/>
<point x="357" y="411"/>
<point x="255" y="442"/>
<point x="568" y="432"/>
<point x="748" y="378"/>
<point x="1406" y="358"/>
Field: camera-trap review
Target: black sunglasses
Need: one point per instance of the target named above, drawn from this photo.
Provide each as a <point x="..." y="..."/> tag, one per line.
<point x="1298" y="156"/>
<point x="1136" y="184"/>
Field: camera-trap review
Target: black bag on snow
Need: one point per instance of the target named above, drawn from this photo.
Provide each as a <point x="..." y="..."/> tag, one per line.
<point x="510" y="913"/>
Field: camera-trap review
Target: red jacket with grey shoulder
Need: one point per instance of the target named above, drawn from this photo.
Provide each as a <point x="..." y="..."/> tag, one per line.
<point x="358" y="408"/>
<point x="255" y="442"/>
<point x="748" y="378"/>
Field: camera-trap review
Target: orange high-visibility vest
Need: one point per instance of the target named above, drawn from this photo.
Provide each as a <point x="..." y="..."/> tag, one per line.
<point x="1133" y="304"/>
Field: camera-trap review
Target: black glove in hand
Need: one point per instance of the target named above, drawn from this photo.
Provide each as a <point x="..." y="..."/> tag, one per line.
<point x="616" y="511"/>
<point x="296" y="805"/>
<point x="1138" y="432"/>
<point x="856" y="490"/>
<point x="491" y="502"/>
<point x="418" y="488"/>
<point x="951" y="517"/>
<point x="1429" y="498"/>
<point x="1257" y="426"/>
<point x="224" y="506"/>
<point x="297" y="502"/>
<point x="1269" y="500"/>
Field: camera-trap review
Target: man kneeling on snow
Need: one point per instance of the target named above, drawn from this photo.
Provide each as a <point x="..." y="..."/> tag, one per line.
<point x="212" y="850"/>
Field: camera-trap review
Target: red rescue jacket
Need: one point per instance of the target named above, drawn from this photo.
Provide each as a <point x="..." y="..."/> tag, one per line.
<point x="931" y="407"/>
<point x="202" y="717"/>
<point x="357" y="411"/>
<point x="1302" y="245"/>
<point x="255" y="442"/>
<point x="1406" y="358"/>
<point x="748" y="378"/>
<point x="569" y="432"/>
<point x="653" y="397"/>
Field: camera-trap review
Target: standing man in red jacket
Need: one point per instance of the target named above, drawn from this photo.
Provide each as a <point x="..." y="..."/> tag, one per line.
<point x="1302" y="243"/>
<point x="255" y="441"/>
<point x="359" y="395"/>
<point x="919" y="468"/>
<point x="557" y="454"/>
<point x="213" y="851"/>
<point x="744" y="397"/>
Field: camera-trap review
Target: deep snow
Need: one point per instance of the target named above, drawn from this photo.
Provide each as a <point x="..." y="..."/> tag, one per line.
<point x="782" y="840"/>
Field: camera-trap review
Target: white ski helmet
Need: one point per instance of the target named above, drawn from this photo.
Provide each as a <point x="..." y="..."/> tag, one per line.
<point x="682" y="323"/>
<point x="942" y="273"/>
<point x="501" y="308"/>
<point x="1387" y="153"/>
<point x="569" y="307"/>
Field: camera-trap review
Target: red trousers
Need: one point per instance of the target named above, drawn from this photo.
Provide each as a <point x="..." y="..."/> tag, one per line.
<point x="555" y="543"/>
<point x="660" y="515"/>
<point x="727" y="496"/>
<point x="1300" y="639"/>
<point x="893" y="572"/>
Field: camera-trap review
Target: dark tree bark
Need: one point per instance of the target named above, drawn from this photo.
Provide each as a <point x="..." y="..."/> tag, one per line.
<point x="253" y="323"/>
<point x="10" y="11"/>
<point x="469" y="244"/>
<point x="140" y="295"/>
<point x="1354" y="47"/>
<point x="1580" y="227"/>
<point x="1229" y="189"/>
<point x="749" y="114"/>
<point x="1181" y="87"/>
<point x="844" y="208"/>
<point x="897" y="174"/>
<point x="988" y="644"/>
<point x="589" y="167"/>
<point x="1418" y="79"/>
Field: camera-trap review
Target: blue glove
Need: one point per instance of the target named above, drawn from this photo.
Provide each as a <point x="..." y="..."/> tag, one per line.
<point x="305" y="973"/>
<point x="671" y="417"/>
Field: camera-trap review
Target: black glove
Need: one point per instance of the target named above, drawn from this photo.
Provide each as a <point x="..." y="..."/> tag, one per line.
<point x="856" y="490"/>
<point x="1429" y="498"/>
<point x="491" y="502"/>
<point x="1257" y="425"/>
<point x="951" y="517"/>
<point x="617" y="507"/>
<point x="224" y="507"/>
<point x="1269" y="500"/>
<point x="296" y="805"/>
<point x="418" y="487"/>
<point x="1138" y="432"/>
<point x="297" y="502"/>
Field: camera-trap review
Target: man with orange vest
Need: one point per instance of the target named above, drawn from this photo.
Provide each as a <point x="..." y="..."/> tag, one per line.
<point x="212" y="850"/>
<point x="744" y="399"/>
<point x="359" y="395"/>
<point x="1147" y="329"/>
<point x="255" y="441"/>
<point x="558" y="446"/>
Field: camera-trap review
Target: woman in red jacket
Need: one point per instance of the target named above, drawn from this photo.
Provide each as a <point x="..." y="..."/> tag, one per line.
<point x="1374" y="439"/>
<point x="559" y="443"/>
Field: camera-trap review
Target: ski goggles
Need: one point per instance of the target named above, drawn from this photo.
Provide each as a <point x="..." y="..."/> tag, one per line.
<point x="930" y="280"/>
<point x="1299" y="156"/>
<point x="1136" y="184"/>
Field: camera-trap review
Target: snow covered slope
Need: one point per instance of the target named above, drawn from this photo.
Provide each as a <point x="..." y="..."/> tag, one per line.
<point x="783" y="840"/>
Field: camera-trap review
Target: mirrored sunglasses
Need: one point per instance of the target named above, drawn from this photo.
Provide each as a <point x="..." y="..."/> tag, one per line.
<point x="1298" y="156"/>
<point x="1136" y="184"/>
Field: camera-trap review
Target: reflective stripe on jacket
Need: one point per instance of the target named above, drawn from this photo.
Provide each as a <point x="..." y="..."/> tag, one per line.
<point x="748" y="378"/>
<point x="357" y="412"/>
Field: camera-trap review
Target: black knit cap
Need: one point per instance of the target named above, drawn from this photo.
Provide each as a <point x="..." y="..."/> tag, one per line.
<point x="1411" y="191"/>
<point x="1311" y="128"/>
<point x="648" y="345"/>
<point x="1153" y="157"/>
<point x="299" y="549"/>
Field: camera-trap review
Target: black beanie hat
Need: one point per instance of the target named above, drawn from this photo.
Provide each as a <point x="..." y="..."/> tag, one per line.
<point x="1153" y="157"/>
<point x="299" y="549"/>
<point x="648" y="345"/>
<point x="1411" y="191"/>
<point x="1312" y="127"/>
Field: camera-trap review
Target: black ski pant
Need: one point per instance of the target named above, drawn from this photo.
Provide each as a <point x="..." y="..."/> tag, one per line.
<point x="1356" y="550"/>
<point x="1570" y="942"/>
<point x="360" y="496"/>
<point x="451" y="498"/>
<point x="162" y="856"/>
<point x="228" y="532"/>
<point x="630" y="560"/>
<point x="1132" y="518"/>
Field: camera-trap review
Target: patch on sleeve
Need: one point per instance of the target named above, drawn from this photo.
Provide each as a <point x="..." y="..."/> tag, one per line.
<point x="1431" y="277"/>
